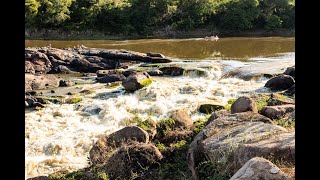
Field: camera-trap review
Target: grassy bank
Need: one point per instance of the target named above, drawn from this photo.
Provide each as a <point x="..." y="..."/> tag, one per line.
<point x="50" y="34"/>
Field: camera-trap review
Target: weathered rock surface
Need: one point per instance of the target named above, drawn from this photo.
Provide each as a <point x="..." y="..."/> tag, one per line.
<point x="243" y="104"/>
<point x="136" y="81"/>
<point x="104" y="147"/>
<point x="219" y="139"/>
<point x="36" y="62"/>
<point x="281" y="82"/>
<point x="34" y="82"/>
<point x="277" y="112"/>
<point x="281" y="147"/>
<point x="217" y="114"/>
<point x="259" y="168"/>
<point x="39" y="178"/>
<point x="181" y="118"/>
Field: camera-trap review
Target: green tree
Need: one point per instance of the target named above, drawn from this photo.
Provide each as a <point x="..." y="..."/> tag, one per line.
<point x="145" y="14"/>
<point x="238" y="15"/>
<point x="31" y="11"/>
<point x="53" y="13"/>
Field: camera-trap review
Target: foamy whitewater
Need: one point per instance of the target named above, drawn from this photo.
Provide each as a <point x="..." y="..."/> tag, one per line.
<point x="59" y="137"/>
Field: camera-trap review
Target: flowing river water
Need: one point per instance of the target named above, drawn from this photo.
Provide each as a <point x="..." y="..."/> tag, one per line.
<point x="60" y="136"/>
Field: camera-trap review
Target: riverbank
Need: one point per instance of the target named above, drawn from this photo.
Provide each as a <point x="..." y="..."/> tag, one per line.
<point x="51" y="34"/>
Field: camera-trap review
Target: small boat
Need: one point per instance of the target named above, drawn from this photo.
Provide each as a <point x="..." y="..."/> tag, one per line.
<point x="212" y="37"/>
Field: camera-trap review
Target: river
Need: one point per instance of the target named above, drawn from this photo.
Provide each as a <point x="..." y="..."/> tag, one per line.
<point x="59" y="137"/>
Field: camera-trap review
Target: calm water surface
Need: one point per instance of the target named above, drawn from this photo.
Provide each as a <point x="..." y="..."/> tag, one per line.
<point x="188" y="48"/>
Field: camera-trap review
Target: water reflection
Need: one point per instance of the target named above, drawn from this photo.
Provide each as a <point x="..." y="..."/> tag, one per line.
<point x="188" y="48"/>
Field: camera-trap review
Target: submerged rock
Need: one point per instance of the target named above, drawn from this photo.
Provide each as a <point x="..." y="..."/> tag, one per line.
<point x="136" y="81"/>
<point x="155" y="73"/>
<point x="243" y="104"/>
<point x="172" y="71"/>
<point x="259" y="168"/>
<point x="281" y="82"/>
<point x="257" y="70"/>
<point x="111" y="78"/>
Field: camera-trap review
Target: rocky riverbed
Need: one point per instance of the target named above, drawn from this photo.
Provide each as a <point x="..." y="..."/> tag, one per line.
<point x="106" y="114"/>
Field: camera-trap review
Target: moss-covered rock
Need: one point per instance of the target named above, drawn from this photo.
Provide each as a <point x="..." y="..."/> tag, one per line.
<point x="73" y="100"/>
<point x="209" y="108"/>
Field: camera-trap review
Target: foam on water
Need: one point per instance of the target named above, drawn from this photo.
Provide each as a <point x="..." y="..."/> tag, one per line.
<point x="59" y="137"/>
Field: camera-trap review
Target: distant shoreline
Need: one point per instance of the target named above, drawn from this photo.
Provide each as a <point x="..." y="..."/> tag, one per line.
<point x="32" y="34"/>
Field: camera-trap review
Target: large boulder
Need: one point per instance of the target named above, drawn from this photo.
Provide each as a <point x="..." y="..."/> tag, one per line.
<point x="136" y="81"/>
<point x="243" y="104"/>
<point x="281" y="82"/>
<point x="181" y="118"/>
<point x="222" y="137"/>
<point x="281" y="147"/>
<point x="104" y="146"/>
<point x="291" y="71"/>
<point x="172" y="71"/>
<point x="277" y="112"/>
<point x="259" y="168"/>
<point x="34" y="82"/>
<point x="132" y="158"/>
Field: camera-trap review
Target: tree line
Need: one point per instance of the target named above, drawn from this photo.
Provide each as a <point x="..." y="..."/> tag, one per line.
<point x="146" y="16"/>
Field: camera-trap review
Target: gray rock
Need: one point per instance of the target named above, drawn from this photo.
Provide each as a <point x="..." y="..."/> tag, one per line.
<point x="259" y="168"/>
<point x="155" y="73"/>
<point x="243" y="104"/>
<point x="172" y="71"/>
<point x="279" y="147"/>
<point x="277" y="112"/>
<point x="181" y="118"/>
<point x="35" y="82"/>
<point x="136" y="81"/>
<point x="111" y="78"/>
<point x="281" y="82"/>
<point x="222" y="137"/>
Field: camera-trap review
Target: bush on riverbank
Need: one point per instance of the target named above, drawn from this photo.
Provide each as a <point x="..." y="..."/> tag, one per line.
<point x="145" y="17"/>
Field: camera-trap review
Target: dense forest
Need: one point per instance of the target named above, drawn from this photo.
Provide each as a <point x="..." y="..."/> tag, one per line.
<point x="144" y="17"/>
